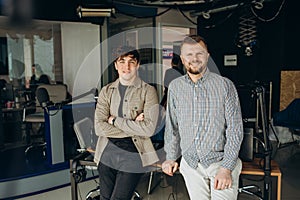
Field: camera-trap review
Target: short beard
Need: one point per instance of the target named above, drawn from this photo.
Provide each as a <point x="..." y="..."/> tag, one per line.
<point x="195" y="72"/>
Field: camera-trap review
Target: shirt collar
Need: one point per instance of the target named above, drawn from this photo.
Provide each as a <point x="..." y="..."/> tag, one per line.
<point x="202" y="79"/>
<point x="137" y="82"/>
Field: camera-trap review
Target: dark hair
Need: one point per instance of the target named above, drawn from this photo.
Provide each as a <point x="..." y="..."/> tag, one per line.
<point x="176" y="60"/>
<point x="194" y="39"/>
<point x="124" y="51"/>
<point x="44" y="79"/>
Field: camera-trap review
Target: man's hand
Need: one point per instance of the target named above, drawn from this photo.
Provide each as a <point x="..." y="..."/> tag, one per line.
<point x="140" y="117"/>
<point x="109" y="120"/>
<point x="223" y="179"/>
<point x="169" y="167"/>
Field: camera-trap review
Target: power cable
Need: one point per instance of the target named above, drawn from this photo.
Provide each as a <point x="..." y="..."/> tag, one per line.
<point x="184" y="15"/>
<point x="270" y="19"/>
<point x="223" y="20"/>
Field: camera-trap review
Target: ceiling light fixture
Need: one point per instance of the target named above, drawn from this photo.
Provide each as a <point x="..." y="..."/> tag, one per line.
<point x="95" y="12"/>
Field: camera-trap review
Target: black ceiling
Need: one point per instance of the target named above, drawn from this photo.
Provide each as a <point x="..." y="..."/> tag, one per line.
<point x="65" y="10"/>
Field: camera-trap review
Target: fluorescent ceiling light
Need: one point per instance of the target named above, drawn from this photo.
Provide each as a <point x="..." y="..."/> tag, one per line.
<point x="95" y="12"/>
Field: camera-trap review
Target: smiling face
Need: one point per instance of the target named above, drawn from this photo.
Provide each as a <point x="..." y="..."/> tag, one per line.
<point x="194" y="57"/>
<point x="127" y="67"/>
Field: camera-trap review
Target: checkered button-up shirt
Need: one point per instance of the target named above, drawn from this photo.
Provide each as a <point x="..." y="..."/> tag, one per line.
<point x="203" y="121"/>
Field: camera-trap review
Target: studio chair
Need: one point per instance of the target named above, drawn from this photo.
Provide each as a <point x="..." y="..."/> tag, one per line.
<point x="87" y="139"/>
<point x="46" y="95"/>
<point x="37" y="118"/>
<point x="289" y="118"/>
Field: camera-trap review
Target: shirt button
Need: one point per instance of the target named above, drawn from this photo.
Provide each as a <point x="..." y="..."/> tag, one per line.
<point x="134" y="140"/>
<point x="142" y="153"/>
<point x="125" y="115"/>
<point x="125" y="100"/>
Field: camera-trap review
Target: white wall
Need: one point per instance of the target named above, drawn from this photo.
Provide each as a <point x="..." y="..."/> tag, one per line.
<point x="79" y="54"/>
<point x="81" y="51"/>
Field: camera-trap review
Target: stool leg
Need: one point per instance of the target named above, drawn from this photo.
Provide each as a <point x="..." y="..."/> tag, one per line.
<point x="28" y="132"/>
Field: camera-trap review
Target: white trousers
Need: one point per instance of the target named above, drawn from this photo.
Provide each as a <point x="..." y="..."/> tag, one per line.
<point x="200" y="181"/>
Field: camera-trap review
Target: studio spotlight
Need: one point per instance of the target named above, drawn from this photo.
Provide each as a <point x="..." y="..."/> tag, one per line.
<point x="248" y="51"/>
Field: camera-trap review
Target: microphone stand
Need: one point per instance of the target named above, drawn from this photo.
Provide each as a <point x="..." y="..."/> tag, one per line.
<point x="92" y="91"/>
<point x="260" y="91"/>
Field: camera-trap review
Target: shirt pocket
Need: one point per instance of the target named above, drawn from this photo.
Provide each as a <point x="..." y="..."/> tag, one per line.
<point x="136" y="108"/>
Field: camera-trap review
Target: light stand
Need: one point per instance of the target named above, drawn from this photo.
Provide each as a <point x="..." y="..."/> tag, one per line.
<point x="260" y="92"/>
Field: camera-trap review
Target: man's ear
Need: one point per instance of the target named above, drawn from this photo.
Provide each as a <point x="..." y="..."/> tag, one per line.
<point x="208" y="55"/>
<point x="181" y="58"/>
<point x="115" y="64"/>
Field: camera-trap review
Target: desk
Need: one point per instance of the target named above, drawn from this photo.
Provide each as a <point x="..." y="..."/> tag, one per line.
<point x="60" y="137"/>
<point x="254" y="168"/>
<point x="12" y="119"/>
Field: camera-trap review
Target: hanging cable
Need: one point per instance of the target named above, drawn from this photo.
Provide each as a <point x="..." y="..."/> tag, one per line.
<point x="223" y="20"/>
<point x="270" y="19"/>
<point x="184" y="15"/>
<point x="220" y="22"/>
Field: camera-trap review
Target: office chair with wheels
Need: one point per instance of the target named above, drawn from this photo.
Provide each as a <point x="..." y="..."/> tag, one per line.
<point x="84" y="130"/>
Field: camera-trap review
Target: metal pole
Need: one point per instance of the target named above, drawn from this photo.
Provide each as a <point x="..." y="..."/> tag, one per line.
<point x="267" y="150"/>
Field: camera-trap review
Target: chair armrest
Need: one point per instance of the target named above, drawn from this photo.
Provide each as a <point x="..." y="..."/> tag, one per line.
<point x="75" y="161"/>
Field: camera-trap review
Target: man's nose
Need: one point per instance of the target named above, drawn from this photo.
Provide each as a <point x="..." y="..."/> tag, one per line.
<point x="127" y="65"/>
<point x="194" y="58"/>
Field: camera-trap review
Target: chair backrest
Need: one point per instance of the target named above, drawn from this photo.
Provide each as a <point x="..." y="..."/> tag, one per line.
<point x="42" y="96"/>
<point x="294" y="110"/>
<point x="85" y="133"/>
<point x="57" y="92"/>
<point x="290" y="116"/>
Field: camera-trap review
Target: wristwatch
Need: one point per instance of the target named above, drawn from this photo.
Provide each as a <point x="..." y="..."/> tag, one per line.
<point x="113" y="121"/>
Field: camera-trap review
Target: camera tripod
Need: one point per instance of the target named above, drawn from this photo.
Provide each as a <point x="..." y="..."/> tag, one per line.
<point x="265" y="142"/>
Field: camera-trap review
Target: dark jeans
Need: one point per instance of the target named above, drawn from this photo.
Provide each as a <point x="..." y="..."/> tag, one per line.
<point x="115" y="184"/>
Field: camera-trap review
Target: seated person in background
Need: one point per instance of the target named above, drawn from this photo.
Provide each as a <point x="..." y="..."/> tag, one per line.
<point x="125" y="119"/>
<point x="33" y="79"/>
<point x="36" y="74"/>
<point x="44" y="79"/>
<point x="174" y="72"/>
